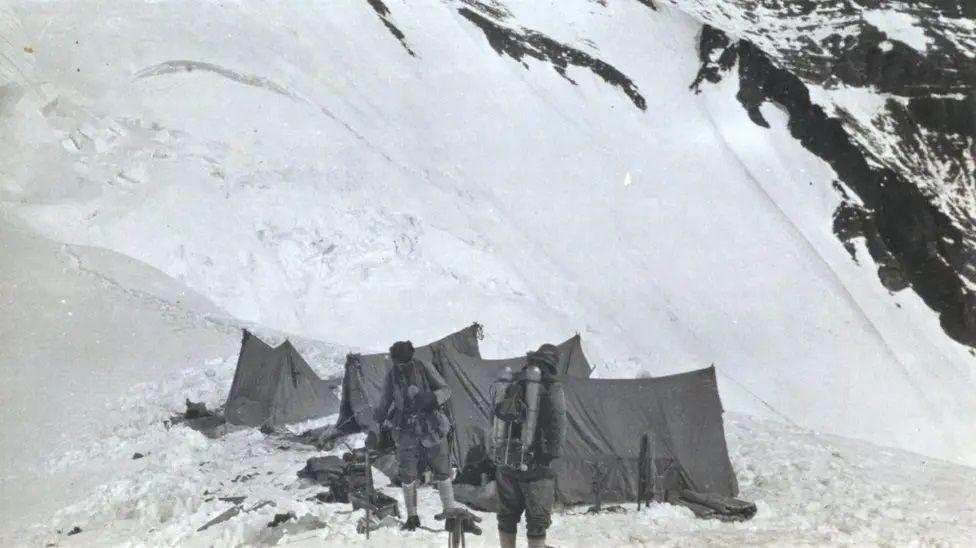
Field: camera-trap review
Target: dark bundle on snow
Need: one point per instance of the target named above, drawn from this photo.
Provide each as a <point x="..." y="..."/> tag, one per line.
<point x="281" y="518"/>
<point x="197" y="410"/>
<point x="198" y="417"/>
<point x="341" y="475"/>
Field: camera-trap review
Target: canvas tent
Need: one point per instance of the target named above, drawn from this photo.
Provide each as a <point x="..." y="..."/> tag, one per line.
<point x="571" y="354"/>
<point x="362" y="384"/>
<point x="275" y="386"/>
<point x="572" y="361"/>
<point x="606" y="419"/>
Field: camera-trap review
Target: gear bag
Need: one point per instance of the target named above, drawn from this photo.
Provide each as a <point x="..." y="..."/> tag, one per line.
<point x="515" y="418"/>
<point x="512" y="406"/>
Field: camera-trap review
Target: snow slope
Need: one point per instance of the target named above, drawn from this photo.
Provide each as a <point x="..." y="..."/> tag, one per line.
<point x="301" y="167"/>
<point x="82" y="326"/>
<point x="73" y="342"/>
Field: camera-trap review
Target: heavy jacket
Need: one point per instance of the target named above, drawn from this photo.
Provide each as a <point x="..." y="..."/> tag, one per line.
<point x="402" y="383"/>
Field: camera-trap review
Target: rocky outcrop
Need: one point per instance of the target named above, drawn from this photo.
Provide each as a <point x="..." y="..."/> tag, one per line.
<point x="519" y="43"/>
<point x="386" y="17"/>
<point x="891" y="109"/>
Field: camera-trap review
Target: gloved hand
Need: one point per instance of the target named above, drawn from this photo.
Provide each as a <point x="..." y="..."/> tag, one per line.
<point x="423" y="401"/>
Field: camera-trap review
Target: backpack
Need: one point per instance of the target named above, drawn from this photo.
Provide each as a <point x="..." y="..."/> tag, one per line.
<point x="512" y="406"/>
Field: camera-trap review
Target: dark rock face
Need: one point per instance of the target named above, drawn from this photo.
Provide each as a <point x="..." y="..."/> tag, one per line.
<point x="491" y="8"/>
<point x="925" y="132"/>
<point x="384" y="13"/>
<point x="519" y="43"/>
<point x="715" y="55"/>
<point x="915" y="242"/>
<point x="945" y="115"/>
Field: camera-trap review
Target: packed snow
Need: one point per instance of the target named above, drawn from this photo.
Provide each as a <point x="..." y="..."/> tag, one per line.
<point x="899" y="26"/>
<point x="174" y="171"/>
<point x="810" y="489"/>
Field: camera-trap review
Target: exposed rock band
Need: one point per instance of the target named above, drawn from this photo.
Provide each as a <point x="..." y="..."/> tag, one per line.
<point x="412" y="411"/>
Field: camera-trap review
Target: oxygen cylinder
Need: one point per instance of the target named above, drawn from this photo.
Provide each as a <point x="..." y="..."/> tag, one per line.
<point x="533" y="375"/>
<point x="500" y="429"/>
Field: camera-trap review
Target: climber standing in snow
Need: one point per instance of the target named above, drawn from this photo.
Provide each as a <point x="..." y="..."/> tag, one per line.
<point x="531" y="487"/>
<point x="413" y="394"/>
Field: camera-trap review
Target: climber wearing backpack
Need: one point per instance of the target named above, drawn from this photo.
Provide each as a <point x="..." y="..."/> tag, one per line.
<point x="525" y="481"/>
<point x="413" y="394"/>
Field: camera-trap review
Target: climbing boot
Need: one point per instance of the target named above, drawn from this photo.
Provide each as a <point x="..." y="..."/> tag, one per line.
<point x="410" y="501"/>
<point x="412" y="523"/>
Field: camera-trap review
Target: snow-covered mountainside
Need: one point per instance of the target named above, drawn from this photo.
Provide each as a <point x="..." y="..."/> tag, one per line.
<point x="886" y="93"/>
<point x="784" y="189"/>
<point x="378" y="170"/>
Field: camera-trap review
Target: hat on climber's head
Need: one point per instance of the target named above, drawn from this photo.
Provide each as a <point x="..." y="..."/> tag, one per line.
<point x="546" y="356"/>
<point x="401" y="352"/>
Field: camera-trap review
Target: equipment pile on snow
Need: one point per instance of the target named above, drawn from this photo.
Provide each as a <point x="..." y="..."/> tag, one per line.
<point x="198" y="417"/>
<point x="341" y="475"/>
<point x="659" y="439"/>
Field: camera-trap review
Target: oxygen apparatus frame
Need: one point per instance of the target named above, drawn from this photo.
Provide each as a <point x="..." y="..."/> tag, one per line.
<point x="505" y="450"/>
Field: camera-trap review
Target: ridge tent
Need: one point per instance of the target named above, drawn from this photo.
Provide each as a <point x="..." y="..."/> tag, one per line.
<point x="362" y="383"/>
<point x="606" y="418"/>
<point x="275" y="386"/>
<point x="572" y="361"/>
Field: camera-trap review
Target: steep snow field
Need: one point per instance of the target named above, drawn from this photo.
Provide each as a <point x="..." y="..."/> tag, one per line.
<point x="298" y="167"/>
<point x="209" y="165"/>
